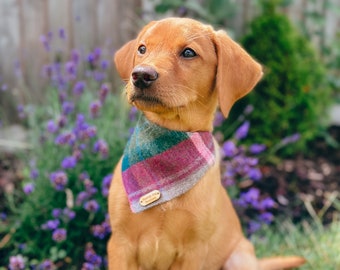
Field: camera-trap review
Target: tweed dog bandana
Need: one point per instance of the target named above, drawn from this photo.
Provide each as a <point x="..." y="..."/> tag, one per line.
<point x="161" y="164"/>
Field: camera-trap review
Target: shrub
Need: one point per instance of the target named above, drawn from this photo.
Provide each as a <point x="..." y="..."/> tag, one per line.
<point x="58" y="220"/>
<point x="293" y="97"/>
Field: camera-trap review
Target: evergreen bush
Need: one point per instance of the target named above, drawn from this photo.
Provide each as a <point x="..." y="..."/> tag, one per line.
<point x="293" y="96"/>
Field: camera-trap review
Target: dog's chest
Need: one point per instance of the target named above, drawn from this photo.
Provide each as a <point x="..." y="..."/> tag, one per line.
<point x="167" y="237"/>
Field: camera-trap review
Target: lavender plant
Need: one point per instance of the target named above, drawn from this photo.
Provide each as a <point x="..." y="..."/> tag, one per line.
<point x="58" y="220"/>
<point x="242" y="175"/>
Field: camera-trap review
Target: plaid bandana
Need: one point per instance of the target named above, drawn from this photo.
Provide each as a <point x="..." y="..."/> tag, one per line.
<point x="161" y="164"/>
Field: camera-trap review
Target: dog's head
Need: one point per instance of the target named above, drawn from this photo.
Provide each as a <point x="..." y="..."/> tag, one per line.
<point x="177" y="70"/>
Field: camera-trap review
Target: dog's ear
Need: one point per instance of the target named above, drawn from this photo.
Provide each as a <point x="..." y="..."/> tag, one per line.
<point x="237" y="72"/>
<point x="124" y="59"/>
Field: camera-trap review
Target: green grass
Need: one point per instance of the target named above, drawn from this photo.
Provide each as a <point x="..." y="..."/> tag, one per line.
<point x="319" y="245"/>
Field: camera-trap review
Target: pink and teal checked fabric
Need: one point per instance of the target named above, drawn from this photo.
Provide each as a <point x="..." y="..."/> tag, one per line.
<point x="169" y="161"/>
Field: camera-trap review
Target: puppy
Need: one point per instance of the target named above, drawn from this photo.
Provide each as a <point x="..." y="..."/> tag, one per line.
<point x="168" y="209"/>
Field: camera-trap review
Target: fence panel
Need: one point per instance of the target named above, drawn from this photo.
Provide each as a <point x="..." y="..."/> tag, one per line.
<point x="106" y="23"/>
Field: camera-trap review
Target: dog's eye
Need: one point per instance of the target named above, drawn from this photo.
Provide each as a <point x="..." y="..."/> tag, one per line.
<point x="188" y="53"/>
<point x="141" y="49"/>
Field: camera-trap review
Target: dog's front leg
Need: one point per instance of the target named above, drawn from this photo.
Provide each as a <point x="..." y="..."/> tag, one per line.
<point x="242" y="258"/>
<point x="120" y="257"/>
<point x="193" y="258"/>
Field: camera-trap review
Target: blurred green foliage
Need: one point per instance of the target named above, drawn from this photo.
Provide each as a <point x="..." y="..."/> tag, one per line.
<point x="294" y="94"/>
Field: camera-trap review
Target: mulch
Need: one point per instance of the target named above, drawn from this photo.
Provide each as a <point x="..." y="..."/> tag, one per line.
<point x="308" y="185"/>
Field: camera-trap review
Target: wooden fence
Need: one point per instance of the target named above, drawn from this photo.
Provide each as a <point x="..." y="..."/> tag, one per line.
<point x="105" y="23"/>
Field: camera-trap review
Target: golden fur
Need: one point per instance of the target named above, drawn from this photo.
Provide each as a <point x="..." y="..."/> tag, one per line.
<point x="200" y="229"/>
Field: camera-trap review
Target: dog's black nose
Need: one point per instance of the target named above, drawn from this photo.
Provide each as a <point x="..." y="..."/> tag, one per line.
<point x="143" y="76"/>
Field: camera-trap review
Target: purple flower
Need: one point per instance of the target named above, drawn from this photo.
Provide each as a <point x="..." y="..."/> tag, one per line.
<point x="257" y="148"/>
<point x="3" y="216"/>
<point x="251" y="195"/>
<point x="255" y="174"/>
<point x="87" y="132"/>
<point x="50" y="35"/>
<point x="91" y="256"/>
<point x="99" y="231"/>
<point x="71" y="69"/>
<point x="87" y="266"/>
<point x="229" y="149"/>
<point x="91" y="206"/>
<point x="290" y="139"/>
<point x="69" y="162"/>
<point x="253" y="226"/>
<point x="62" y="93"/>
<point x="57" y="212"/>
<point x="4" y="87"/>
<point x="249" y="109"/>
<point x="97" y="53"/>
<point x="22" y="246"/>
<point x="98" y="75"/>
<point x="62" y="33"/>
<point x="51" y="225"/>
<point x="94" y="108"/>
<point x="102" y="230"/>
<point x="45" y="42"/>
<point x="88" y="184"/>
<point x="59" y="180"/>
<point x="81" y="197"/>
<point x="91" y="59"/>
<point x="59" y="235"/>
<point x="105" y="64"/>
<point x="133" y="114"/>
<point x="51" y="127"/>
<point x="69" y="214"/>
<point x="219" y="118"/>
<point x="78" y="88"/>
<point x="267" y="203"/>
<point x="91" y="131"/>
<point x="47" y="265"/>
<point x="21" y="111"/>
<point x="28" y="188"/>
<point x="106" y="185"/>
<point x="16" y="262"/>
<point x="77" y="154"/>
<point x="83" y="176"/>
<point x="266" y="217"/>
<point x="75" y="56"/>
<point x="242" y="131"/>
<point x="101" y="147"/>
<point x="103" y="92"/>
<point x="251" y="161"/>
<point x="80" y="121"/>
<point x="62" y="120"/>
<point x="67" y="107"/>
<point x="34" y="173"/>
<point x="65" y="138"/>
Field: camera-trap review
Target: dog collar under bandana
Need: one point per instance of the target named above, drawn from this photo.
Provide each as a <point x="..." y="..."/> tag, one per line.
<point x="161" y="164"/>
